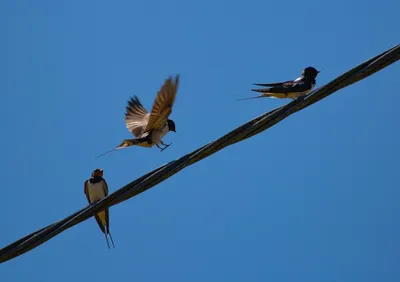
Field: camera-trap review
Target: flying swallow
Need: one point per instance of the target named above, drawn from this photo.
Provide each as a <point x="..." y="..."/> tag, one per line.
<point x="289" y="89"/>
<point x="150" y="128"/>
<point x="95" y="189"/>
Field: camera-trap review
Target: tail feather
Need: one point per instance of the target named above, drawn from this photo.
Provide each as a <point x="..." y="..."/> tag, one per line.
<point x="265" y="84"/>
<point x="109" y="233"/>
<point x="124" y="144"/>
<point x="108" y="244"/>
<point x="264" y="94"/>
<point x="105" y="153"/>
<point x="261" y="90"/>
<point x="255" y="97"/>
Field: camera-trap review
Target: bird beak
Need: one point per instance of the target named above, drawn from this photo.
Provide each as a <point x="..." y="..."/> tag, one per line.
<point x="318" y="71"/>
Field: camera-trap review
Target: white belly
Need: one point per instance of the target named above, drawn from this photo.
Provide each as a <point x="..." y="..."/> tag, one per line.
<point x="157" y="135"/>
<point x="96" y="192"/>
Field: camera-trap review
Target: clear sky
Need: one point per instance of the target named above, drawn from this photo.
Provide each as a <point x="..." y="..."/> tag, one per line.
<point x="315" y="198"/>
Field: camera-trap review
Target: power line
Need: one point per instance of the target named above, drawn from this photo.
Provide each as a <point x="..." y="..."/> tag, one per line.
<point x="241" y="133"/>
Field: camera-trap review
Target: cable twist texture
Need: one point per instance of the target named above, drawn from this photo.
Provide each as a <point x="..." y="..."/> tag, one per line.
<point x="241" y="133"/>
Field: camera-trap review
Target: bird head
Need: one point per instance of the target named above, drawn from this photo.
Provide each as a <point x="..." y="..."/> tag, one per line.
<point x="171" y="125"/>
<point x="97" y="172"/>
<point x="310" y="72"/>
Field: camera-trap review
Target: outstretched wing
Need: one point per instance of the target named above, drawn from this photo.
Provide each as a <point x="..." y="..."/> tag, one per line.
<point x="163" y="103"/>
<point x="136" y="117"/>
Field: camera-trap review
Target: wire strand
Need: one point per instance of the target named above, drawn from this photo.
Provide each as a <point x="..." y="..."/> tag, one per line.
<point x="239" y="134"/>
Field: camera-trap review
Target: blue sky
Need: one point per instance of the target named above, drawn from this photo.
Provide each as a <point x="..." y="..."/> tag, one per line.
<point x="315" y="198"/>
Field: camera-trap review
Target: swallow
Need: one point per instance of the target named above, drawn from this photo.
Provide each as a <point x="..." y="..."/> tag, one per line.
<point x="150" y="128"/>
<point x="95" y="189"/>
<point x="289" y="89"/>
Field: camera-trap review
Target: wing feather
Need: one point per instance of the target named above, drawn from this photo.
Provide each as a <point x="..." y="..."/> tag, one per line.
<point x="105" y="187"/>
<point x="106" y="210"/>
<point x="136" y="117"/>
<point x="294" y="86"/>
<point x="98" y="220"/>
<point x="163" y="103"/>
<point x="85" y="189"/>
<point x="274" y="84"/>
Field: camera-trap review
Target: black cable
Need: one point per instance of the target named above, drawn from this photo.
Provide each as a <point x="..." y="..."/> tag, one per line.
<point x="241" y="133"/>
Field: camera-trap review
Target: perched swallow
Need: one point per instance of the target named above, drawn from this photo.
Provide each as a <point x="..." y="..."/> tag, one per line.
<point x="289" y="89"/>
<point x="95" y="189"/>
<point x="150" y="128"/>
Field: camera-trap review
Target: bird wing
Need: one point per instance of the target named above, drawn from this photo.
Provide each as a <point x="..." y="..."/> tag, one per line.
<point x="136" y="117"/>
<point x="105" y="187"/>
<point x="163" y="103"/>
<point x="98" y="220"/>
<point x="85" y="189"/>
<point x="274" y="84"/>
<point x="299" y="85"/>
<point x="103" y="227"/>
<point x="106" y="211"/>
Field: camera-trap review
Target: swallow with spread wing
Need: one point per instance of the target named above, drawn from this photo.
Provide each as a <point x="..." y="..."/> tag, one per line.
<point x="95" y="189"/>
<point x="150" y="128"/>
<point x="289" y="89"/>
